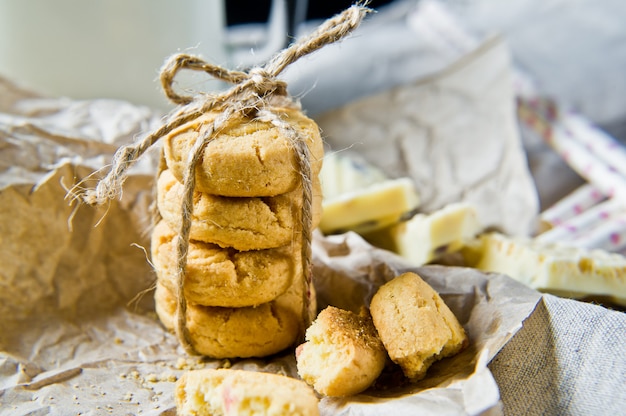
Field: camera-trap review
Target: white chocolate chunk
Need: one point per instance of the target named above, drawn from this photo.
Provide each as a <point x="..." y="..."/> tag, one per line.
<point x="425" y="237"/>
<point x="360" y="197"/>
<point x="344" y="173"/>
<point x="373" y="207"/>
<point x="555" y="268"/>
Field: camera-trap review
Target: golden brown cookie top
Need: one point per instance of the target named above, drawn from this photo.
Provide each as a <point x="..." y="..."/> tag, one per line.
<point x="358" y="328"/>
<point x="244" y="223"/>
<point x="248" y="157"/>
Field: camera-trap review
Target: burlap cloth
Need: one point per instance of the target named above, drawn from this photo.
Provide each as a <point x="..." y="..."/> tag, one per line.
<point x="568" y="359"/>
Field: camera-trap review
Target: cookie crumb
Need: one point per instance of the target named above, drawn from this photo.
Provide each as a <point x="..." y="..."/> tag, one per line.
<point x="168" y="377"/>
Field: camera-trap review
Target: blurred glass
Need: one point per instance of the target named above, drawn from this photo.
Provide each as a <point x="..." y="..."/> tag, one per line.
<point x="105" y="49"/>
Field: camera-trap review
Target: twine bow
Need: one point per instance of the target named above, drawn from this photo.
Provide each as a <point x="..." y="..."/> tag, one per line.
<point x="253" y="94"/>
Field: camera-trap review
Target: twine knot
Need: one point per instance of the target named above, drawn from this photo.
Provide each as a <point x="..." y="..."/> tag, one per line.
<point x="265" y="84"/>
<point x="249" y="87"/>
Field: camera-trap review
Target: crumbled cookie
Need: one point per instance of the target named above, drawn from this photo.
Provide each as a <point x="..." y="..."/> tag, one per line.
<point x="343" y="354"/>
<point x="415" y="325"/>
<point x="241" y="392"/>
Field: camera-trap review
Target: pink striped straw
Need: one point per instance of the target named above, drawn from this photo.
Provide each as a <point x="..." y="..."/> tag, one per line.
<point x="604" y="146"/>
<point x="578" y="201"/>
<point x="586" y="164"/>
<point x="593" y="154"/>
<point x="610" y="235"/>
<point x="583" y="222"/>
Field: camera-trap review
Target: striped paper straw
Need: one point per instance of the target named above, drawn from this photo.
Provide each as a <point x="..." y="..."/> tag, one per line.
<point x="610" y="235"/>
<point x="586" y="164"/>
<point x="593" y="154"/>
<point x="584" y="222"/>
<point x="571" y="205"/>
<point x="600" y="143"/>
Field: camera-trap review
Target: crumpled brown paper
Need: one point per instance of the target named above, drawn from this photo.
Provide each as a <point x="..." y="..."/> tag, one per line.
<point x="78" y="333"/>
<point x="55" y="259"/>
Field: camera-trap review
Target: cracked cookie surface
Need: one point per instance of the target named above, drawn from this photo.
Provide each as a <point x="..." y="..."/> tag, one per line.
<point x="240" y="332"/>
<point x="244" y="223"/>
<point x="225" y="277"/>
<point x="342" y="355"/>
<point x="252" y="158"/>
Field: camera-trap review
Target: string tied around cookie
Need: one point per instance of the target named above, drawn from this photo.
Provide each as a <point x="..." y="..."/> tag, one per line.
<point x="253" y="94"/>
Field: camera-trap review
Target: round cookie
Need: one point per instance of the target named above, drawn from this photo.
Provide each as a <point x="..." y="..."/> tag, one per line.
<point x="220" y="276"/>
<point x="342" y="355"/>
<point x="239" y="332"/>
<point x="252" y="158"/>
<point x="415" y="325"/>
<point x="242" y="223"/>
<point x="241" y="392"/>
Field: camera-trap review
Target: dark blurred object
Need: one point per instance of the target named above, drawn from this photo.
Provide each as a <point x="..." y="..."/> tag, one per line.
<point x="245" y="11"/>
<point x="325" y="9"/>
<point x="264" y="27"/>
<point x="240" y="12"/>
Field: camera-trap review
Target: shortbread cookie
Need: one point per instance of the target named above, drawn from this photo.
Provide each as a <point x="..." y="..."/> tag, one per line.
<point x="343" y="354"/>
<point x="415" y="325"/>
<point x="239" y="332"/>
<point x="240" y="392"/>
<point x="224" y="277"/>
<point x="241" y="223"/>
<point x="250" y="159"/>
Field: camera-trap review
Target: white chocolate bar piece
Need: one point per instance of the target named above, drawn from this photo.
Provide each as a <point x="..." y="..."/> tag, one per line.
<point x="360" y="197"/>
<point x="344" y="173"/>
<point x="373" y="207"/>
<point x="425" y="237"/>
<point x="555" y="268"/>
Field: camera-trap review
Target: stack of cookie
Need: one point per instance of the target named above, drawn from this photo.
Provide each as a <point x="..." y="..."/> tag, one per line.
<point x="244" y="281"/>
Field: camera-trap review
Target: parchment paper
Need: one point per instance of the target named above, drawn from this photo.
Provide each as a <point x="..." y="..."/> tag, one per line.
<point x="79" y="335"/>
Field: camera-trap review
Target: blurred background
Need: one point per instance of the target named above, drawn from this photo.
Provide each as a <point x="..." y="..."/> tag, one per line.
<point x="574" y="49"/>
<point x="115" y="48"/>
